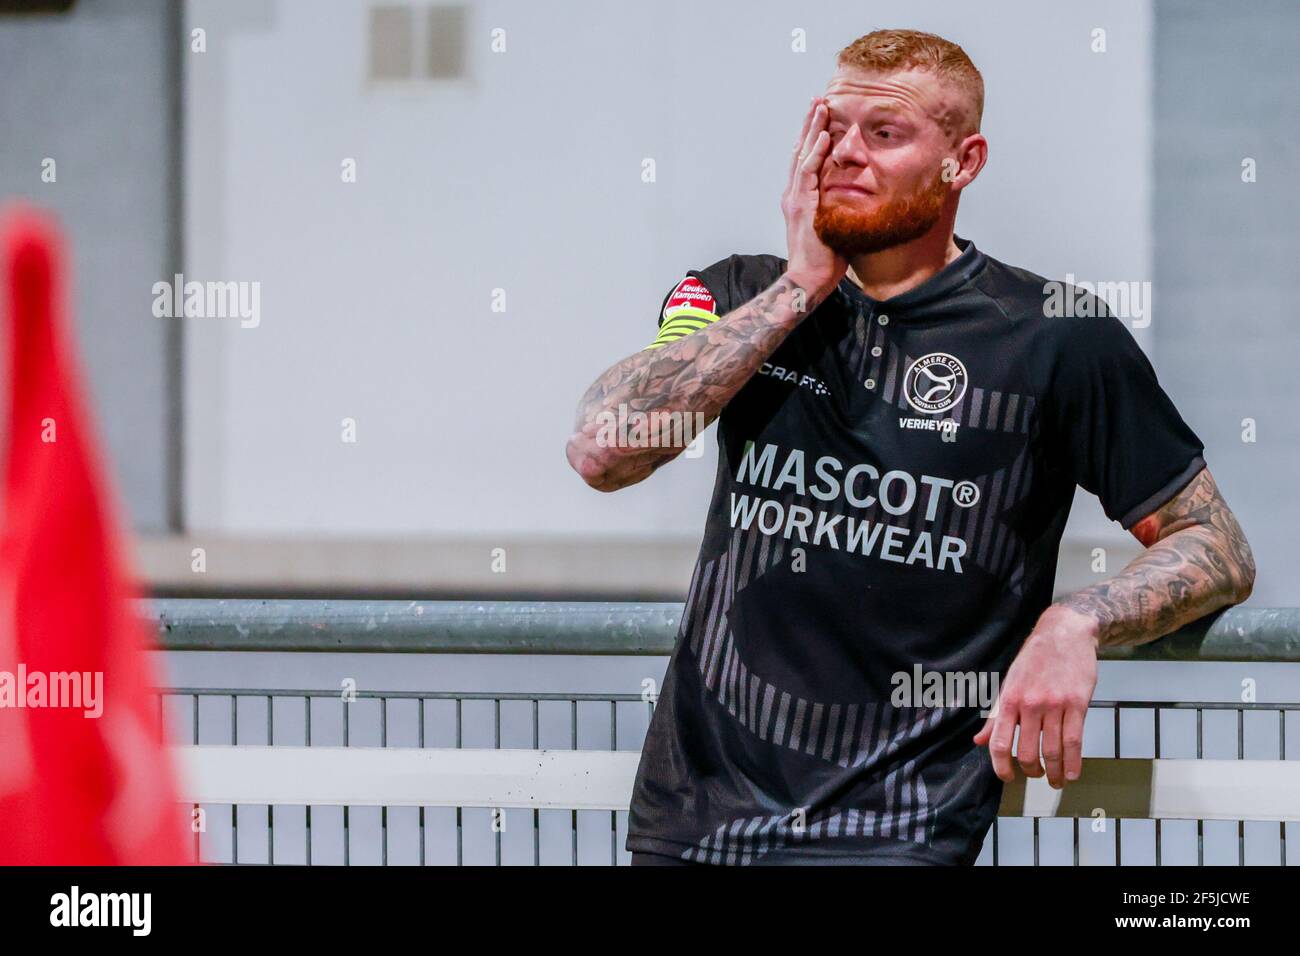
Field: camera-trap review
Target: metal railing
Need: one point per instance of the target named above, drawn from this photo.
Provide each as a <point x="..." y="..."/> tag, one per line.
<point x="421" y="835"/>
<point x="585" y="627"/>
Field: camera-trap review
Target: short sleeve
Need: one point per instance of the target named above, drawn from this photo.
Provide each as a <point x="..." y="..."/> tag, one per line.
<point x="1118" y="432"/>
<point x="701" y="297"/>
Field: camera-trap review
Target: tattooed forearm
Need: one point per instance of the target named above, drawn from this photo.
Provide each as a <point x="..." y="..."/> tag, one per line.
<point x="1196" y="561"/>
<point x="702" y="371"/>
<point x="696" y="375"/>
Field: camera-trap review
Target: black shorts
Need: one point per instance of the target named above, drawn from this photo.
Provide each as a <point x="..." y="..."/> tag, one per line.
<point x="641" y="858"/>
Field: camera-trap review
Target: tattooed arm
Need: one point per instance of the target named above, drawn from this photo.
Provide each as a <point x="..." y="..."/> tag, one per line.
<point x="695" y="375"/>
<point x="1196" y="561"/>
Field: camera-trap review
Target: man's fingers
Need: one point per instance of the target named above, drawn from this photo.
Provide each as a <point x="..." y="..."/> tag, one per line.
<point x="803" y="136"/>
<point x="815" y="128"/>
<point x="1052" y="753"/>
<point x="1031" y="726"/>
<point x="1072" y="741"/>
<point x="816" y="119"/>
<point x="1004" y="728"/>
<point x="809" y="172"/>
<point x="817" y="153"/>
<point x="801" y="143"/>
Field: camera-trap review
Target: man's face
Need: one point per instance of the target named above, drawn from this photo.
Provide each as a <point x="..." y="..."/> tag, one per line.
<point x="882" y="183"/>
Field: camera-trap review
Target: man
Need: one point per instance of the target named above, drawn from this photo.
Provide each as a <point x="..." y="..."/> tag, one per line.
<point x="902" y="421"/>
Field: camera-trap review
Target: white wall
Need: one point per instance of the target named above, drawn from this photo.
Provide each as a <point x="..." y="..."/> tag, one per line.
<point x="526" y="176"/>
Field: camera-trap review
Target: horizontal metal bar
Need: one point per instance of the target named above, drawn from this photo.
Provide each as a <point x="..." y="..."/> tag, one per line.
<point x="582" y="698"/>
<point x="438" y="627"/>
<point x="559" y="627"/>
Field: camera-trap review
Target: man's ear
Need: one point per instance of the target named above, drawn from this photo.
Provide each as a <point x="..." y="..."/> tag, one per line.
<point x="971" y="154"/>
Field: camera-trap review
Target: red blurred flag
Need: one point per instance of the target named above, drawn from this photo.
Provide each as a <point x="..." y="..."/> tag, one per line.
<point x="84" y="775"/>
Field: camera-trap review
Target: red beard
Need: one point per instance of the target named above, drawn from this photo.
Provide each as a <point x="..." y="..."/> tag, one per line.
<point x="849" y="230"/>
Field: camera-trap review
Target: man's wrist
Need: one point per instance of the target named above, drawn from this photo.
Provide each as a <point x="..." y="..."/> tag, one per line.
<point x="1074" y="621"/>
<point x="814" y="291"/>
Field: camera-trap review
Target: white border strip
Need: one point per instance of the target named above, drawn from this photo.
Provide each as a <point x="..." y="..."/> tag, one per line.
<point x="409" y="777"/>
<point x="602" y="780"/>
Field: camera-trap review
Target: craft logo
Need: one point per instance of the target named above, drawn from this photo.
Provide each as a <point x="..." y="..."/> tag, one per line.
<point x="800" y="379"/>
<point x="934" y="383"/>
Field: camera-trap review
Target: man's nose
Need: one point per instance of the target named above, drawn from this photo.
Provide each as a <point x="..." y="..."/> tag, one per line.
<point x="851" y="150"/>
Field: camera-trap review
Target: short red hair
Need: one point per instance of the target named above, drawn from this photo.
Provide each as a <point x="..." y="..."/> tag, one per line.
<point x="888" y="51"/>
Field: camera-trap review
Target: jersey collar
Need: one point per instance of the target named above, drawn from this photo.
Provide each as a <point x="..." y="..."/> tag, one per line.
<point x="913" y="302"/>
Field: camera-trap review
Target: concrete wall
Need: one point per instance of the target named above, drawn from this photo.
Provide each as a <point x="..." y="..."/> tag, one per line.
<point x="1226" y="329"/>
<point x="93" y="90"/>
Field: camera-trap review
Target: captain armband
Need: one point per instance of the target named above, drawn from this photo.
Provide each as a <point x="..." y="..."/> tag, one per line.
<point x="688" y="308"/>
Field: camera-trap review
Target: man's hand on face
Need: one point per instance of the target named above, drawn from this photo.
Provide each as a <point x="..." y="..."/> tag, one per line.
<point x="1046" y="692"/>
<point x="811" y="263"/>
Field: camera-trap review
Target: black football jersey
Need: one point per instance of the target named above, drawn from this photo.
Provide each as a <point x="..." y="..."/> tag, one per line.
<point x="891" y="491"/>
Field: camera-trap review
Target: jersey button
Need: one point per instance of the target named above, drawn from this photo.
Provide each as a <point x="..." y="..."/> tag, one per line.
<point x="870" y="383"/>
<point x="876" y="351"/>
<point x="883" y="320"/>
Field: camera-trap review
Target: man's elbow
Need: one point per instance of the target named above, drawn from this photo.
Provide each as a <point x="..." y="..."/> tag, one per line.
<point x="1246" y="574"/>
<point x="591" y="461"/>
<point x="1235" y="556"/>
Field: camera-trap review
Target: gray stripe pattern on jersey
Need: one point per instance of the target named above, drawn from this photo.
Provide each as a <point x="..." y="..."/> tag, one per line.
<point x="747" y="839"/>
<point x="860" y="735"/>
